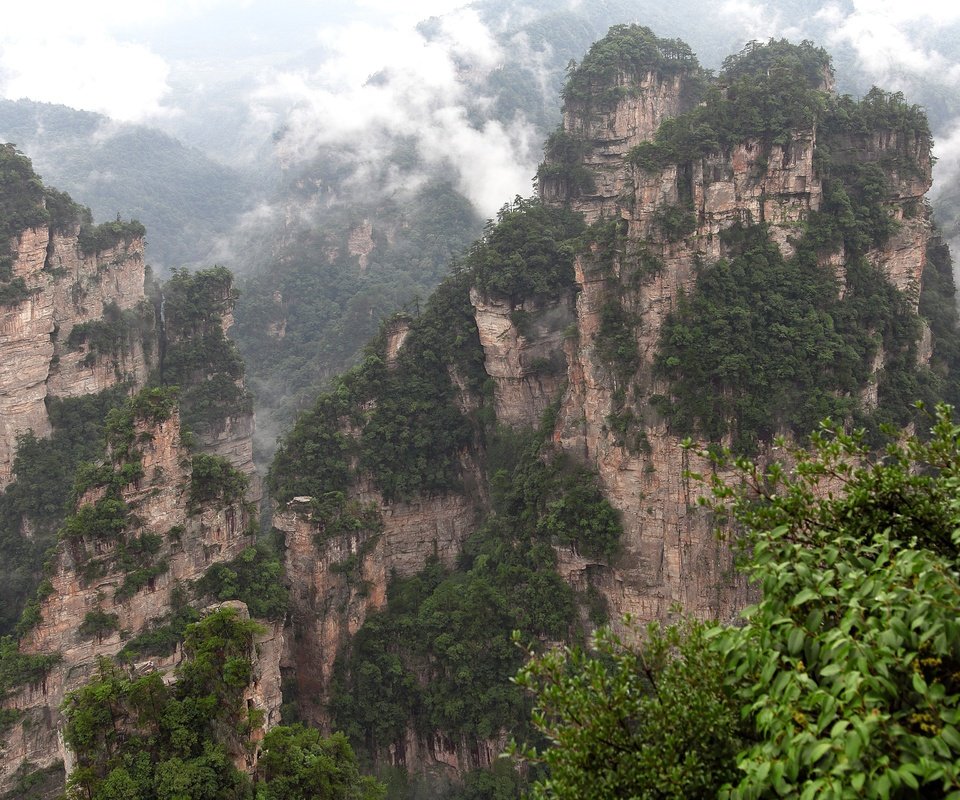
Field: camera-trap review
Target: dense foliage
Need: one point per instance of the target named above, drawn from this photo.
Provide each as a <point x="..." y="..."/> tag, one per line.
<point x="412" y="427"/>
<point x="771" y="338"/>
<point x="116" y="332"/>
<point x="626" y="49"/>
<point x="564" y="154"/>
<point x="139" y="738"/>
<point x="766" y="344"/>
<point x="842" y="679"/>
<point x="298" y="763"/>
<point x="654" y="721"/>
<point x="198" y="357"/>
<point x="215" y="482"/>
<point x="438" y="657"/>
<point x="254" y="577"/>
<point x="17" y="669"/>
<point x="107" y="235"/>
<point x="527" y="253"/>
<point x="766" y="92"/>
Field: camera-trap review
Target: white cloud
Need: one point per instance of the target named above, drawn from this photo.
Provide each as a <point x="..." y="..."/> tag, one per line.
<point x="123" y="80"/>
<point x="379" y="83"/>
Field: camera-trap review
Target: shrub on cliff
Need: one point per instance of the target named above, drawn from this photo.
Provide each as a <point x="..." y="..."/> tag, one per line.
<point x="140" y="738"/>
<point x="631" y="49"/>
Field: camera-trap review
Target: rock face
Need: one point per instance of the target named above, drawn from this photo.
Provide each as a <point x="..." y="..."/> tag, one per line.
<point x="335" y="581"/>
<point x="614" y="130"/>
<point x="538" y="353"/>
<point x="527" y="366"/>
<point x="670" y="553"/>
<point x="67" y="287"/>
<point x="78" y="322"/>
<point x="89" y="578"/>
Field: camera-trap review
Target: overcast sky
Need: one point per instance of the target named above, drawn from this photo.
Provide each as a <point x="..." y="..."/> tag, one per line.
<point x="119" y="57"/>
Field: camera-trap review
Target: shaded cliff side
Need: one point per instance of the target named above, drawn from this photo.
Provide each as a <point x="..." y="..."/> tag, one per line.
<point x="148" y="524"/>
<point x="725" y="259"/>
<point x="82" y="325"/>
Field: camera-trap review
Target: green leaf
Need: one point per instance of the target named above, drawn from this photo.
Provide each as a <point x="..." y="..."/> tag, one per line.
<point x="950" y="735"/>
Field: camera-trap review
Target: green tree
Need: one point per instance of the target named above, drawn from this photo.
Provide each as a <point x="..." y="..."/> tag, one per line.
<point x="651" y="721"/>
<point x="844" y="677"/>
<point x="297" y="763"/>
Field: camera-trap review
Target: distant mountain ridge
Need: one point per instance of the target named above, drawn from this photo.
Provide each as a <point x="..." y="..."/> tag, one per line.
<point x="184" y="198"/>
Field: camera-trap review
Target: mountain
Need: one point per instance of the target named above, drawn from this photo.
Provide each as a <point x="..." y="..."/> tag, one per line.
<point x="186" y="200"/>
<point x="730" y="259"/>
<point x="129" y="494"/>
<point x="712" y="261"/>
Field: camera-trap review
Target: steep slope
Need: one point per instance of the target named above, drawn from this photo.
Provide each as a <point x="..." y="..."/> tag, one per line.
<point x="148" y="525"/>
<point x="135" y="506"/>
<point x="752" y="260"/>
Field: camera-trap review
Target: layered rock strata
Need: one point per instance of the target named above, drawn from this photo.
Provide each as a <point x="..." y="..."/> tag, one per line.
<point x="671" y="555"/>
<point x="67" y="287"/>
<point x="330" y="601"/>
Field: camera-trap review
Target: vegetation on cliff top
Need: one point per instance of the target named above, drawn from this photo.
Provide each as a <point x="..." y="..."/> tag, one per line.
<point x="26" y="203"/>
<point x="632" y="50"/>
<point x="767" y="343"/>
<point x="402" y="424"/>
<point x="199" y="358"/>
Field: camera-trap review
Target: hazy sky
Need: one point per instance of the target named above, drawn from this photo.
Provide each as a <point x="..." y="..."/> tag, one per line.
<point x="119" y="57"/>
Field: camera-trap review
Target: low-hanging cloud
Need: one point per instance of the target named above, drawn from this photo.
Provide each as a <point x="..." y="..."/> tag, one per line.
<point x="94" y="55"/>
<point x="379" y="85"/>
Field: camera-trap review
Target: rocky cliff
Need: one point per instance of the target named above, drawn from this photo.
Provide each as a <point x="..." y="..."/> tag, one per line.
<point x="145" y="531"/>
<point x="589" y="342"/>
<point x="671" y="554"/>
<point x="41" y="356"/>
<point x="152" y="515"/>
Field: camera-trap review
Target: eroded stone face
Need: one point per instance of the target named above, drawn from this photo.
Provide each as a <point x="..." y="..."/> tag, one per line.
<point x="528" y="366"/>
<point x="190" y="544"/>
<point x="329" y="606"/>
<point x="671" y="556"/>
<point x="670" y="552"/>
<point x="68" y="288"/>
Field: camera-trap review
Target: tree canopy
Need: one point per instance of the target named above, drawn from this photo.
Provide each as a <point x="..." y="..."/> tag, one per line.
<point x="842" y="681"/>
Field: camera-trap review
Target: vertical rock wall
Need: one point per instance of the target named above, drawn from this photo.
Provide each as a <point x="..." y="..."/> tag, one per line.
<point x="68" y="287"/>
<point x="191" y="542"/>
<point x="670" y="552"/>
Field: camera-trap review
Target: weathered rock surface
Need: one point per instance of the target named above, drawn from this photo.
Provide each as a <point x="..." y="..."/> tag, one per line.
<point x="670" y="553"/>
<point x="528" y="367"/>
<point x="330" y="600"/>
<point x="68" y="287"/>
<point x="190" y="544"/>
<point x="536" y="354"/>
